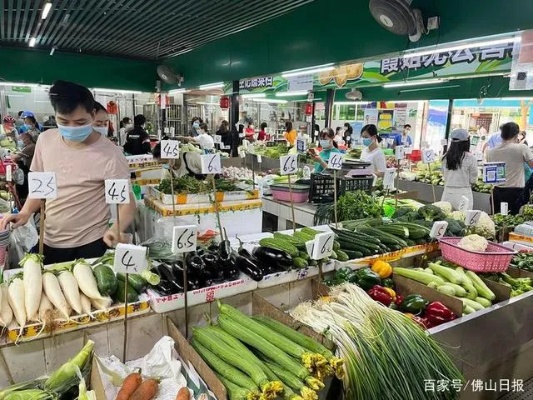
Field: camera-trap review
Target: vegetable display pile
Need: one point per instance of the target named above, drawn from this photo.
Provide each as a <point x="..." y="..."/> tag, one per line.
<point x="64" y="383"/>
<point x="191" y="185"/>
<point x="455" y="281"/>
<point x="351" y="205"/>
<point x="260" y="358"/>
<point x="518" y="285"/>
<point x="135" y="388"/>
<point x="387" y="355"/>
<point x="523" y="261"/>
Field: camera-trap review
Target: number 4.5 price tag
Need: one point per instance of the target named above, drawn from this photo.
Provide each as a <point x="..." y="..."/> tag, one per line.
<point x="323" y="246"/>
<point x="184" y="239"/>
<point x="211" y="164"/>
<point x="117" y="191"/>
<point x="130" y="259"/>
<point x="170" y="149"/>
<point x="288" y="165"/>
<point x="335" y="161"/>
<point x="438" y="230"/>
<point x="42" y="185"/>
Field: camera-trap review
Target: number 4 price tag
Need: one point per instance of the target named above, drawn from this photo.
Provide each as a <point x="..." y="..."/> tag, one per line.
<point x="335" y="161"/>
<point x="170" y="149"/>
<point x="211" y="164"/>
<point x="42" y="185"/>
<point x="323" y="245"/>
<point x="184" y="239"/>
<point x="130" y="259"/>
<point x="288" y="165"/>
<point x="438" y="230"/>
<point x="117" y="191"/>
<point x="472" y="216"/>
<point x="428" y="155"/>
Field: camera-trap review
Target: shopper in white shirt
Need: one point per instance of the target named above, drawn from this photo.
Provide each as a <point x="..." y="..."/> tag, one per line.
<point x="204" y="139"/>
<point x="372" y="153"/>
<point x="460" y="170"/>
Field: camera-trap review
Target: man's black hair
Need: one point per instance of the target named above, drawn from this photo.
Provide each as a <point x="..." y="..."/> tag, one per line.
<point x="20" y="113"/>
<point x="67" y="96"/>
<point x="406" y="126"/>
<point x="99" y="107"/>
<point x="139" y="120"/>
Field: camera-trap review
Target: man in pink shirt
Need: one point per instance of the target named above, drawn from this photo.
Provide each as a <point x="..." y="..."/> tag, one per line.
<point x="77" y="220"/>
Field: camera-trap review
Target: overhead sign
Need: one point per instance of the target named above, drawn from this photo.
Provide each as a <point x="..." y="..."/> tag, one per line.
<point x="300" y="82"/>
<point x="256" y="83"/>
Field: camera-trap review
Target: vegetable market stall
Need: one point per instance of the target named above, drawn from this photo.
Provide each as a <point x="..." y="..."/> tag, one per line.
<point x="304" y="213"/>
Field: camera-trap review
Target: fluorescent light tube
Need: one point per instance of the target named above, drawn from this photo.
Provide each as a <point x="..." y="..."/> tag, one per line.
<point x="481" y="43"/>
<point x="217" y="85"/>
<point x="253" y="95"/>
<point x="353" y="102"/>
<point x="32" y="42"/>
<point x="413" y="83"/>
<point x="277" y="101"/>
<point x="104" y="90"/>
<point x="46" y="10"/>
<point x="310" y="70"/>
<point x="295" y="93"/>
<point x="183" y="90"/>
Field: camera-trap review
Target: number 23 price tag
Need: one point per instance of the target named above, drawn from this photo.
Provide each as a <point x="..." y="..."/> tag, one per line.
<point x="288" y="164"/>
<point x="130" y="259"/>
<point x="335" y="161"/>
<point x="170" y="149"/>
<point x="438" y="230"/>
<point x="211" y="164"/>
<point x="184" y="239"/>
<point x="117" y="191"/>
<point x="322" y="246"/>
<point x="42" y="185"/>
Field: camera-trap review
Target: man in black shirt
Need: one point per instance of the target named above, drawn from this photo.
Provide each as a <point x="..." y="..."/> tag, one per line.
<point x="137" y="140"/>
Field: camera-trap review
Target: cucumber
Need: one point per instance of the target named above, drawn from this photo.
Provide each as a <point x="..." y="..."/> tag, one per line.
<point x="336" y="245"/>
<point x="303" y="236"/>
<point x="279" y="244"/>
<point x="121" y="296"/>
<point x="105" y="279"/>
<point x="304" y="255"/>
<point x="299" y="263"/>
<point x="342" y="256"/>
<point x="482" y="289"/>
<point x="396" y="230"/>
<point x="134" y="280"/>
<point x="353" y="255"/>
<point x="291" y="239"/>
<point x="384" y="237"/>
<point x="446" y="290"/>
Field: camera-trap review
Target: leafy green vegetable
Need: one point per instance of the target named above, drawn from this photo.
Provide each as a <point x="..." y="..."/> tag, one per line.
<point x="350" y="206"/>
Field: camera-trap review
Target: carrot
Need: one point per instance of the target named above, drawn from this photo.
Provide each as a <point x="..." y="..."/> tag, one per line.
<point x="146" y="391"/>
<point x="183" y="394"/>
<point x="129" y="386"/>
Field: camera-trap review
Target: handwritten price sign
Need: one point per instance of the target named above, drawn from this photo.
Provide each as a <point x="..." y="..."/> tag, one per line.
<point x="335" y="161"/>
<point x="399" y="152"/>
<point x="322" y="246"/>
<point x="170" y="149"/>
<point x="472" y="216"/>
<point x="288" y="165"/>
<point x="130" y="259"/>
<point x="184" y="239"/>
<point x="388" y="178"/>
<point x="117" y="191"/>
<point x="428" y="155"/>
<point x="211" y="164"/>
<point x="464" y="204"/>
<point x="42" y="185"/>
<point x="438" y="230"/>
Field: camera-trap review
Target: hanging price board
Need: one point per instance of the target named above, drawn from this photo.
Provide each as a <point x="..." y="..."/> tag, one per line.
<point x="388" y="178"/>
<point x="323" y="245"/>
<point x="170" y="149"/>
<point x="288" y="165"/>
<point x="117" y="191"/>
<point x="42" y="185"/>
<point x="438" y="229"/>
<point x="465" y="204"/>
<point x="472" y="217"/>
<point x="399" y="152"/>
<point x="428" y="156"/>
<point x="335" y="161"/>
<point x="211" y="164"/>
<point x="184" y="239"/>
<point x="130" y="259"/>
<point x="301" y="145"/>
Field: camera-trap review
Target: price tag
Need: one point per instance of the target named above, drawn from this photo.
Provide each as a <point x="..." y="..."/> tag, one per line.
<point x="407" y="150"/>
<point x="172" y="130"/>
<point x="130" y="259"/>
<point x="259" y="158"/>
<point x="242" y="154"/>
<point x="444" y="142"/>
<point x="184" y="239"/>
<point x="288" y="164"/>
<point x="399" y="152"/>
<point x="472" y="216"/>
<point x="42" y="185"/>
<point x="438" y="229"/>
<point x="504" y="208"/>
<point x="117" y="191"/>
<point x="166" y="130"/>
<point x="301" y="145"/>
<point x="388" y="178"/>
<point x="323" y="246"/>
<point x="428" y="156"/>
<point x="217" y="139"/>
<point x="335" y="161"/>
<point x="464" y="204"/>
<point x="9" y="173"/>
<point x="170" y="149"/>
<point x="211" y="164"/>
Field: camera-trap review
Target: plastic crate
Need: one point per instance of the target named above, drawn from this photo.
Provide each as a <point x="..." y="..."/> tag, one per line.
<point x="321" y="190"/>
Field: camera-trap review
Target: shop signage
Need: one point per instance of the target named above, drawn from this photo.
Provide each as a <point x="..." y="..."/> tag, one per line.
<point x="256" y="83"/>
<point x="299" y="83"/>
<point x="21" y="89"/>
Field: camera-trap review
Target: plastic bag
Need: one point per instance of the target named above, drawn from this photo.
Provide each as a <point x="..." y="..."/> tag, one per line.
<point x="22" y="240"/>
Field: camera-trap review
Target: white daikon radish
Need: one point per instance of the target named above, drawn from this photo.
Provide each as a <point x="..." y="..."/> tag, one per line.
<point x="6" y="315"/>
<point x="69" y="285"/>
<point x="16" y="301"/>
<point x="86" y="280"/>
<point x="86" y="305"/>
<point x="33" y="283"/>
<point x="44" y="307"/>
<point x="102" y="303"/>
<point x="55" y="295"/>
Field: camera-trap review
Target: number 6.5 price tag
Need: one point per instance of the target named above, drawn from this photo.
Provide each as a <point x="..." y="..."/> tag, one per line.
<point x="117" y="191"/>
<point x="211" y="164"/>
<point x="42" y="185"/>
<point x="130" y="259"/>
<point x="335" y="161"/>
<point x="323" y="246"/>
<point x="184" y="239"/>
<point x="288" y="165"/>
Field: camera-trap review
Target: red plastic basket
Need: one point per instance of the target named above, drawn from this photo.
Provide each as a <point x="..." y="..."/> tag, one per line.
<point x="495" y="259"/>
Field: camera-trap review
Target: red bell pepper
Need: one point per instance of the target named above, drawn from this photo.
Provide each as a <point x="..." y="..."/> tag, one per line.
<point x="380" y="294"/>
<point x="437" y="313"/>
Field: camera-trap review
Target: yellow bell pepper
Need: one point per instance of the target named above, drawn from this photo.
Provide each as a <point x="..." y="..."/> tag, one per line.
<point x="382" y="268"/>
<point x="391" y="292"/>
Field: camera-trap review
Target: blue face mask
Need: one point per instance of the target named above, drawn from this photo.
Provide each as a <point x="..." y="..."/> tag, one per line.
<point x="367" y="142"/>
<point x="28" y="126"/>
<point x="325" y="144"/>
<point x="75" y="133"/>
<point x="196" y="125"/>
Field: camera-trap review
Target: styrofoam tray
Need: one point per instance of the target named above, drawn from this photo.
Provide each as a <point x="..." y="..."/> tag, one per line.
<point x="280" y="278"/>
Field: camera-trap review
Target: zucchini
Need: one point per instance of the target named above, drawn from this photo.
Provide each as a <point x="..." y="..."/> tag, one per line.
<point x="299" y="263"/>
<point x="105" y="279"/>
<point x="459" y="290"/>
<point x="291" y="239"/>
<point x="121" y="294"/>
<point x="471" y="303"/>
<point x="483" y="301"/>
<point x="280" y="245"/>
<point x="448" y="274"/>
<point x="480" y="286"/>
<point x="446" y="290"/>
<point x="418" y="276"/>
<point x="468" y="310"/>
